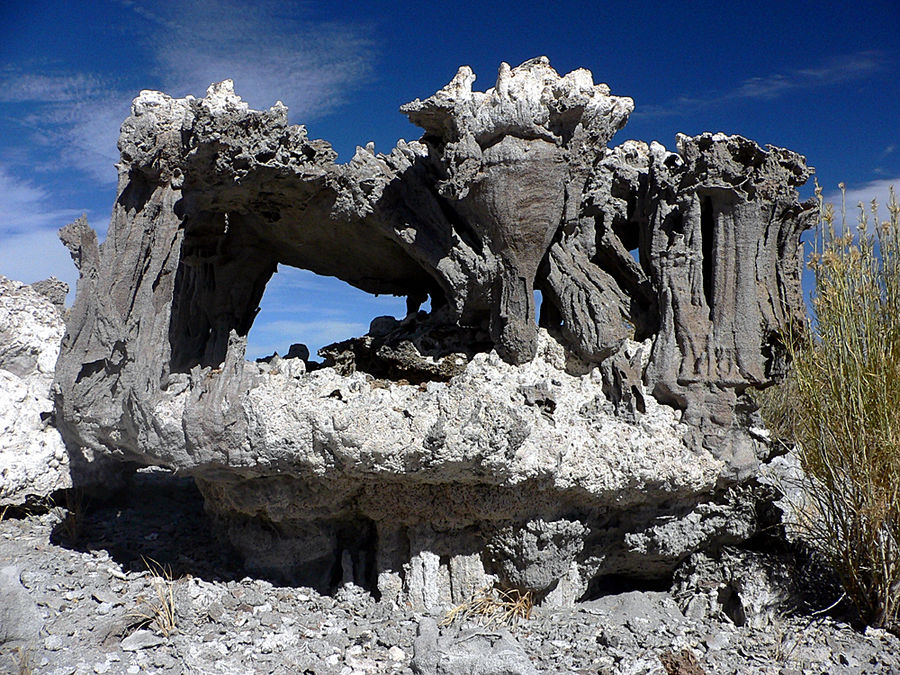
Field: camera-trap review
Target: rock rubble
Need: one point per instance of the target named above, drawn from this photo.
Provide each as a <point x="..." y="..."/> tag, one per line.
<point x="88" y="588"/>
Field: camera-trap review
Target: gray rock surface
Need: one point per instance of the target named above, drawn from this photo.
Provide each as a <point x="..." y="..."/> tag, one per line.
<point x="33" y="458"/>
<point x="54" y="290"/>
<point x="141" y="639"/>
<point x="478" y="652"/>
<point x="747" y="587"/>
<point x="405" y="463"/>
<point x="20" y="620"/>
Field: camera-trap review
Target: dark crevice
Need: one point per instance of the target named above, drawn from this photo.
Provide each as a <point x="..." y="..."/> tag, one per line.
<point x="354" y="557"/>
<point x="549" y="316"/>
<point x="707" y="244"/>
<point x="465" y="231"/>
<point x="777" y="356"/>
<point x="90" y="369"/>
<point x="218" y="287"/>
<point x="137" y="192"/>
<point x="614" y="584"/>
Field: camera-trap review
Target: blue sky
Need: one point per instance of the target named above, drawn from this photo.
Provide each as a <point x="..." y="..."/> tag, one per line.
<point x="822" y="79"/>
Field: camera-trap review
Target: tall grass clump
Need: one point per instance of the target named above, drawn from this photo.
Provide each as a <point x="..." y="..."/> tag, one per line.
<point x="840" y="406"/>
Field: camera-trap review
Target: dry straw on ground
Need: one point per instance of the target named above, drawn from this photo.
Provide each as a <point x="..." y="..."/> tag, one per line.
<point x="492" y="607"/>
<point x="840" y="405"/>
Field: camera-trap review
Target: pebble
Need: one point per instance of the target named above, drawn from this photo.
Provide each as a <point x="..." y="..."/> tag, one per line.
<point x="53" y="643"/>
<point x="718" y="640"/>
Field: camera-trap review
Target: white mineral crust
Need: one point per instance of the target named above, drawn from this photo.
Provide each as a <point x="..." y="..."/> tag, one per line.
<point x="33" y="459"/>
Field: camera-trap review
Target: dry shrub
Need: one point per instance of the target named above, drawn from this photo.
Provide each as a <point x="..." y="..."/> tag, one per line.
<point x="492" y="607"/>
<point x="22" y="663"/>
<point x="158" y="611"/>
<point x="840" y="406"/>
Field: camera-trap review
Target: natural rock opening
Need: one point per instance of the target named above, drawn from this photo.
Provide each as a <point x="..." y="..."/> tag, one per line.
<point x="479" y="442"/>
<point x="301" y="312"/>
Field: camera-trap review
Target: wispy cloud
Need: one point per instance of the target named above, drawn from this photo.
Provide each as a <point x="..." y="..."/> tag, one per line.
<point x="82" y="134"/>
<point x="29" y="247"/>
<point x="309" y="65"/>
<point x="835" y="72"/>
<point x="24" y="87"/>
<point x="277" y="336"/>
<point x="73" y="118"/>
<point x="879" y="190"/>
<point x="25" y="207"/>
<point x="36" y="255"/>
<point x="299" y="306"/>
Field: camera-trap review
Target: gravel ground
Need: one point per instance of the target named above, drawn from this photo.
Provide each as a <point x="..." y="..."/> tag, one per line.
<point x="85" y="586"/>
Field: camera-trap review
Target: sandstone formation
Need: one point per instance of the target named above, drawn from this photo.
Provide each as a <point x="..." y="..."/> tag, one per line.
<point x="476" y="443"/>
<point x="33" y="458"/>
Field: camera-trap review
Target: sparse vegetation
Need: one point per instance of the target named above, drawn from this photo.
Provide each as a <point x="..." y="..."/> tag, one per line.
<point x="22" y="661"/>
<point x="71" y="525"/>
<point x="493" y="607"/>
<point x="158" y="611"/>
<point x="840" y="407"/>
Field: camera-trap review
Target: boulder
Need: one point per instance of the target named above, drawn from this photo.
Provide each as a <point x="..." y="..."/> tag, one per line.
<point x="476" y="443"/>
<point x="479" y="652"/>
<point x="33" y="458"/>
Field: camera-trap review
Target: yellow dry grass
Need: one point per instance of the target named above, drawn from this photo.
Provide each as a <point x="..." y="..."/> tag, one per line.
<point x="840" y="406"/>
<point x="158" y="611"/>
<point x="492" y="607"/>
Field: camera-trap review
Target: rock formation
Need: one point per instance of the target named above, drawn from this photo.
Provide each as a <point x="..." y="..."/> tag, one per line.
<point x="33" y="459"/>
<point x="476" y="443"/>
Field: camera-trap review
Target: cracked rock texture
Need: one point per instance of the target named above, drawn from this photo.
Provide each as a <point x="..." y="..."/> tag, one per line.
<point x="33" y="459"/>
<point x="477" y="443"/>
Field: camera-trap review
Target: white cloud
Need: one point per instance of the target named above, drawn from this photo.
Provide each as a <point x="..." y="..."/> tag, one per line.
<point x="24" y="207"/>
<point x="879" y="190"/>
<point x="834" y="72"/>
<point x="29" y="247"/>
